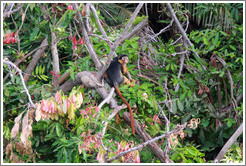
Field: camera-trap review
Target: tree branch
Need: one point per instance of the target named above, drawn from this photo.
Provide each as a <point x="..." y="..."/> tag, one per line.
<point x="175" y="131"/>
<point x="36" y="57"/>
<point x="182" y="30"/>
<point x="228" y="144"/>
<point x="7" y="14"/>
<point x="22" y="80"/>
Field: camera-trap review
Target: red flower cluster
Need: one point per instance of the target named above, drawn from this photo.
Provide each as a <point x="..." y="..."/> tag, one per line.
<point x="75" y="42"/>
<point x="10" y="38"/>
<point x="54" y="74"/>
<point x="91" y="142"/>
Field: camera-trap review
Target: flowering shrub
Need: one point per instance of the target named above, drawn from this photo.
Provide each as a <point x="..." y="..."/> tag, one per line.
<point x="8" y="39"/>
<point x="52" y="107"/>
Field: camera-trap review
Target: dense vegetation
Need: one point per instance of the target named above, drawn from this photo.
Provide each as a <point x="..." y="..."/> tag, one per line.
<point x="187" y="60"/>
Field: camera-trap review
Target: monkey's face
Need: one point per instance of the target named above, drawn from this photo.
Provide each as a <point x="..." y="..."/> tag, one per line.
<point x="125" y="59"/>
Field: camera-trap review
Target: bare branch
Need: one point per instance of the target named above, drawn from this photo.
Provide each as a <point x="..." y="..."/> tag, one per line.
<point x="228" y="144"/>
<point x="233" y="101"/>
<point x="99" y="24"/>
<point x="175" y="131"/>
<point x="7" y="14"/>
<point x="182" y="30"/>
<point x="22" y="80"/>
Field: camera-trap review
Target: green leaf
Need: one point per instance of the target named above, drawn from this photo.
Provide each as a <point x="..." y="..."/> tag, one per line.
<point x="180" y="105"/>
<point x="58" y="130"/>
<point x="229" y="123"/>
<point x="84" y="155"/>
<point x="174" y="108"/>
<point x="36" y="70"/>
<point x="40" y="69"/>
<point x="43" y="69"/>
<point x="205" y="122"/>
<point x="189" y="93"/>
<point x="182" y="97"/>
<point x="32" y="5"/>
<point x="205" y="39"/>
<point x="232" y="47"/>
<point x="223" y="33"/>
<point x="6" y="92"/>
<point x="215" y="41"/>
<point x="191" y="151"/>
<point x="221" y="74"/>
<point x="34" y="34"/>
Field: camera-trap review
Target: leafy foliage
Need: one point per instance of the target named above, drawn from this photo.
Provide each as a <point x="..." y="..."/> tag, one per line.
<point x="66" y="128"/>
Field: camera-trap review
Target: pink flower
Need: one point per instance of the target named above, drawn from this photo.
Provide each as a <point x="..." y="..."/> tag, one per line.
<point x="58" y="97"/>
<point x="69" y="7"/>
<point x="83" y="112"/>
<point x="81" y="41"/>
<point x="74" y="41"/>
<point x="155" y="117"/>
<point x="74" y="47"/>
<point x="97" y="109"/>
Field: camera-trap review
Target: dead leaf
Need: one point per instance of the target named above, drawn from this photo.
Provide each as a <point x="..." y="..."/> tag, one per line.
<point x="17" y="119"/>
<point x="25" y="121"/>
<point x="38" y="113"/>
<point x="15" y="130"/>
<point x="25" y="133"/>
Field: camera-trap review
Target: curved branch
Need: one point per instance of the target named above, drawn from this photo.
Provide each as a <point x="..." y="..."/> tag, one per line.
<point x="22" y="80"/>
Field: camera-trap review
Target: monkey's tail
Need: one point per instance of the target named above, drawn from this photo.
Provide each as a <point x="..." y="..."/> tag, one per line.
<point x="128" y="106"/>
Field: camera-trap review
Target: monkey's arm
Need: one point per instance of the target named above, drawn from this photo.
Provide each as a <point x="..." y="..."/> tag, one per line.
<point x="127" y="81"/>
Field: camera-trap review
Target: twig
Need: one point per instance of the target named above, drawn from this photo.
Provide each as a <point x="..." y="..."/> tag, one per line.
<point x="99" y="24"/>
<point x="107" y="40"/>
<point x="161" y="31"/>
<point x="233" y="101"/>
<point x="180" y="70"/>
<point x="182" y="30"/>
<point x="27" y="55"/>
<point x="7" y="14"/>
<point x="88" y="42"/>
<point x="187" y="25"/>
<point x="22" y="80"/>
<point x="106" y="100"/>
<point x="175" y="130"/>
<point x="111" y="116"/>
<point x="228" y="144"/>
<point x="146" y="77"/>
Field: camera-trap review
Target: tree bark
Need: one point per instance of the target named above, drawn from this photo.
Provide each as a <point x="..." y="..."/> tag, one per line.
<point x="35" y="59"/>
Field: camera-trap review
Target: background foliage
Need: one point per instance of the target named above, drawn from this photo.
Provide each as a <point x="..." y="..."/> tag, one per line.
<point x="215" y="30"/>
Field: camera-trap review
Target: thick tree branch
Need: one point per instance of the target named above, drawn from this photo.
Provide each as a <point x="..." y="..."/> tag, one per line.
<point x="35" y="59"/>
